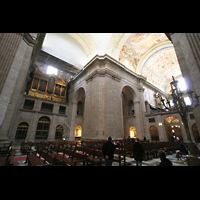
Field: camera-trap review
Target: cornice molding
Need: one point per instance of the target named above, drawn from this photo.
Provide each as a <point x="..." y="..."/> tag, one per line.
<point x="103" y="72"/>
<point x="29" y="39"/>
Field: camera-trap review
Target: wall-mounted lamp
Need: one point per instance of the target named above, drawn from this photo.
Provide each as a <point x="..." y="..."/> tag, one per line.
<point x="160" y="124"/>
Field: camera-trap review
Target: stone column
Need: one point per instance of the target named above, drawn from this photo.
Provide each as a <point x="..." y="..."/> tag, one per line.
<point x="161" y="128"/>
<point x="187" y="47"/>
<point x="8" y="48"/>
<point x="138" y="120"/>
<point x="73" y="120"/>
<point x="143" y="119"/>
<point x="52" y="128"/>
<point x="15" y="58"/>
<point x="32" y="127"/>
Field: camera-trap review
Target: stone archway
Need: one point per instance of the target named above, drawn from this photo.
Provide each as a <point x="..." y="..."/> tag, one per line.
<point x="78" y="107"/>
<point x="130" y="109"/>
<point x="173" y="128"/>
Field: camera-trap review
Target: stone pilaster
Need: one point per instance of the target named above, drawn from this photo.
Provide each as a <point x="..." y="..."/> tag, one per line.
<point x="15" y="61"/>
<point x="187" y="47"/>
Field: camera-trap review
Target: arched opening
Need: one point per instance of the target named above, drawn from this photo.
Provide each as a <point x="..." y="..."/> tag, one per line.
<point x="42" y="130"/>
<point x="132" y="131"/>
<point x="80" y="108"/>
<point x="196" y="133"/>
<point x="78" y="132"/>
<point x="21" y="131"/>
<point x="173" y="129"/>
<point x="80" y="99"/>
<point x="59" y="132"/>
<point x="129" y="111"/>
<point x="154" y="133"/>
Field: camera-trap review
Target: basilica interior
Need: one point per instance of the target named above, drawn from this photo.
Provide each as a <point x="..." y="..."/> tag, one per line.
<point x="89" y="86"/>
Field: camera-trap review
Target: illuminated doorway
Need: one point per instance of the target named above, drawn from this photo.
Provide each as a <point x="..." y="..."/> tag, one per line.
<point x="78" y="132"/>
<point x="173" y="129"/>
<point x="132" y="132"/>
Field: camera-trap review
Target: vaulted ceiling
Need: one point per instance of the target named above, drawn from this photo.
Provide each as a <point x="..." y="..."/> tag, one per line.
<point x="149" y="54"/>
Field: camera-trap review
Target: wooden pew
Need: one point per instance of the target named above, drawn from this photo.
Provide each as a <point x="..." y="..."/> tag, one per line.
<point x="99" y="158"/>
<point x="5" y="149"/>
<point x="25" y="147"/>
<point x="90" y="155"/>
<point x="121" y="154"/>
<point x="47" y="158"/>
<point x="33" y="160"/>
<point x="8" y="159"/>
<point x="5" y="160"/>
<point x="94" y="156"/>
<point x="80" y="149"/>
<point x="43" y="154"/>
<point x="50" y="159"/>
<point x="73" y="159"/>
<point x="80" y="158"/>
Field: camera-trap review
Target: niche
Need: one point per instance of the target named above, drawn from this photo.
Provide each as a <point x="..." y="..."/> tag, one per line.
<point x="46" y="107"/>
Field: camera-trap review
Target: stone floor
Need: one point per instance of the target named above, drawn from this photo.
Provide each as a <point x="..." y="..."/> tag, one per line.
<point x="152" y="162"/>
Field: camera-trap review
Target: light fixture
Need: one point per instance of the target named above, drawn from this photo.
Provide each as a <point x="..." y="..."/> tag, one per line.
<point x="160" y="124"/>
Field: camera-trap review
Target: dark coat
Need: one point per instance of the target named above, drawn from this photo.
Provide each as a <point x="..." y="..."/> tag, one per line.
<point x="138" y="151"/>
<point x="165" y="162"/>
<point x="108" y="149"/>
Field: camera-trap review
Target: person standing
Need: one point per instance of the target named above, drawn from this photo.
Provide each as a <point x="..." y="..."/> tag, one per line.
<point x="108" y="151"/>
<point x="128" y="140"/>
<point x="138" y="152"/>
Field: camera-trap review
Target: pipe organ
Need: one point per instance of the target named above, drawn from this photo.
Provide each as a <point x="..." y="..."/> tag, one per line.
<point x="49" y="87"/>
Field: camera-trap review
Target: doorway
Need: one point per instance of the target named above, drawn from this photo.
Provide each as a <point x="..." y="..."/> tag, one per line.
<point x="78" y="132"/>
<point x="173" y="129"/>
<point x="132" y="131"/>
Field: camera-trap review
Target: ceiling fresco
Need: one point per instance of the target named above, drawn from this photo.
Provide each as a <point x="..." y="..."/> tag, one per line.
<point x="137" y="44"/>
<point x="160" y="67"/>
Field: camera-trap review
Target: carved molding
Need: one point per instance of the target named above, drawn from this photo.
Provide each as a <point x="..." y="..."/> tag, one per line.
<point x="103" y="72"/>
<point x="29" y="39"/>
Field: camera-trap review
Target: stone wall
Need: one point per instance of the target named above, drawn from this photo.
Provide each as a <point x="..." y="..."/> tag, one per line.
<point x="103" y="81"/>
<point x="15" y="58"/>
<point x="32" y="116"/>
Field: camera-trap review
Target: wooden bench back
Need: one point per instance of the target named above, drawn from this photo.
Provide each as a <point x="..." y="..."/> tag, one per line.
<point x="50" y="159"/>
<point x="79" y="156"/>
<point x="90" y="151"/>
<point x="69" y="152"/>
<point x="99" y="154"/>
<point x="43" y="154"/>
<point x="117" y="151"/>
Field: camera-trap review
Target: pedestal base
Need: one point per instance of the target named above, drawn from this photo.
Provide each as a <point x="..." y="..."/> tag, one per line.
<point x="193" y="161"/>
